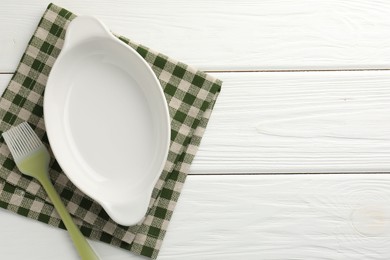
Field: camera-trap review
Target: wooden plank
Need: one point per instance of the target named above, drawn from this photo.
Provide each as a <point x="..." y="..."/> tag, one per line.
<point x="302" y="122"/>
<point x="228" y="35"/>
<point x="281" y="217"/>
<point x="247" y="217"/>
<point x="317" y="122"/>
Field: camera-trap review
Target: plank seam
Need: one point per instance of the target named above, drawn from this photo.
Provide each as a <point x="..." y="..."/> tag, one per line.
<point x="319" y="70"/>
<point x="293" y="173"/>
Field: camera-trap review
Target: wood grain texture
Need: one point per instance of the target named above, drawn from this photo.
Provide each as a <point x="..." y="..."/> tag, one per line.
<point x="282" y="217"/>
<point x="299" y="122"/>
<point x="248" y="217"/>
<point x="228" y="35"/>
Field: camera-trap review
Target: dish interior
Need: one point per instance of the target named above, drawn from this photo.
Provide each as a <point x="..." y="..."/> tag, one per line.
<point x="110" y="115"/>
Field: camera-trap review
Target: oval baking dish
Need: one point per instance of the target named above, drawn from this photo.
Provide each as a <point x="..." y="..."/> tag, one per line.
<point x="107" y="120"/>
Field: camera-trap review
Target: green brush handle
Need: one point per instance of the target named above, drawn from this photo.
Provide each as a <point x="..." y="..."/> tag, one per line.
<point x="84" y="249"/>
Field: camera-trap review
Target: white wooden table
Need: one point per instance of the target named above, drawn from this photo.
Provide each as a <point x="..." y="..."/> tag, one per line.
<point x="295" y="162"/>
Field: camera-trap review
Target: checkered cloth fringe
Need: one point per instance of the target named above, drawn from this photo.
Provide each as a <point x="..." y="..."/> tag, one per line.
<point x="190" y="94"/>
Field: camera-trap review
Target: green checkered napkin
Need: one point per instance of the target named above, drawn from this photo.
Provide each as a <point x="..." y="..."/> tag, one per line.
<point x="190" y="94"/>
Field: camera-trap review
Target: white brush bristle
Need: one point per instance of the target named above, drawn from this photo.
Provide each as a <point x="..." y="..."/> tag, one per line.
<point x="22" y="140"/>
